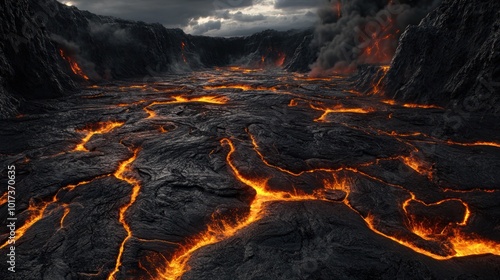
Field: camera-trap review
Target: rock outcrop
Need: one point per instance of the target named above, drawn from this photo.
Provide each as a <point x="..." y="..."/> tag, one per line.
<point x="451" y="58"/>
<point x="29" y="64"/>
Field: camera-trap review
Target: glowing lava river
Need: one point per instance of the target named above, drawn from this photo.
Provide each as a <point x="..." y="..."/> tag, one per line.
<point x="239" y="174"/>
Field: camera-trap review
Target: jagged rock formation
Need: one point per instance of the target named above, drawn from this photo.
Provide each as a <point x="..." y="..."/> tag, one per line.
<point x="453" y="54"/>
<point x="29" y="65"/>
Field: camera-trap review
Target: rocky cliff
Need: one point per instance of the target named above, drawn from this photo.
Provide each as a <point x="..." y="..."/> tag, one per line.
<point x="451" y="58"/>
<point x="29" y="64"/>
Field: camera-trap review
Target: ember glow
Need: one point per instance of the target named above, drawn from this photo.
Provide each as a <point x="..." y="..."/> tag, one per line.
<point x="377" y="87"/>
<point x="339" y="109"/>
<point x="183" y="47"/>
<point x="380" y="44"/>
<point x="212" y="99"/>
<point x="221" y="229"/>
<point x="74" y="65"/>
<point x="38" y="211"/>
<point x="120" y="174"/>
<point x="100" y="128"/>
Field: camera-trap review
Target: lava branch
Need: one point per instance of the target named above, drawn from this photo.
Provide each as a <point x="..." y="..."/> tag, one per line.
<point x="339" y="109"/>
<point x="136" y="187"/>
<point x="37" y="211"/>
<point x="219" y="230"/>
<point x="102" y="128"/>
<point x="457" y="239"/>
<point x="212" y="99"/>
<point x="377" y="87"/>
<point x="74" y="65"/>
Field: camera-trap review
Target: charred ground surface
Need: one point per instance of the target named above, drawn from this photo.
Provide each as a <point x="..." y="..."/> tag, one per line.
<point x="242" y="174"/>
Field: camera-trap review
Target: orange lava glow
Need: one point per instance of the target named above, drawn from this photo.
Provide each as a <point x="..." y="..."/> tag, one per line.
<point x="217" y="100"/>
<point x="65" y="214"/>
<point x="417" y="165"/>
<point x="102" y="128"/>
<point x="377" y="87"/>
<point x="293" y="103"/>
<point x="281" y="59"/>
<point x="183" y="47"/>
<point x="305" y="78"/>
<point x="472" y="245"/>
<point x="37" y="210"/>
<point x="339" y="109"/>
<point x="389" y="102"/>
<point x="222" y="229"/>
<point x="461" y="244"/>
<point x="372" y="224"/>
<point x="120" y="174"/>
<point x="3" y="199"/>
<point x="74" y="65"/>
<point x="242" y="87"/>
<point x="267" y="163"/>
<point x="421" y="106"/>
<point x="380" y="44"/>
<point x="36" y="214"/>
<point x="474" y="144"/>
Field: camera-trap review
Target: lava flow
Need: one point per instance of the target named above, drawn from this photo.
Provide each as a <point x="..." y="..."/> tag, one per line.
<point x="100" y="128"/>
<point x="217" y="100"/>
<point x="219" y="230"/>
<point x="377" y="87"/>
<point x="74" y="65"/>
<point x="136" y="187"/>
<point x="339" y="109"/>
<point x="37" y="211"/>
<point x="460" y="244"/>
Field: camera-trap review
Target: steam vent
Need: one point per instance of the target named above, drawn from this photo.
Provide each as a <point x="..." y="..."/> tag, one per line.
<point x="252" y="140"/>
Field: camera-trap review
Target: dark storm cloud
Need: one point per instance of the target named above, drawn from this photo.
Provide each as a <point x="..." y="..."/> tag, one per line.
<point x="210" y="17"/>
<point x="239" y="16"/>
<point x="205" y="27"/>
<point x="168" y="12"/>
<point x="283" y="4"/>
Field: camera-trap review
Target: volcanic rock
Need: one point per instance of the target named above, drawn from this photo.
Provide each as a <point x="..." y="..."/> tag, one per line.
<point x="452" y="56"/>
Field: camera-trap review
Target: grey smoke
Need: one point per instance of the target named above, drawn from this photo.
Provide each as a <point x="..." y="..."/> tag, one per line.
<point x="342" y="40"/>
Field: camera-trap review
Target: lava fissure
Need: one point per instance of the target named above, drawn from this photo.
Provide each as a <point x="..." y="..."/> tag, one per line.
<point x="37" y="211"/>
<point x="120" y="174"/>
<point x="100" y="128"/>
<point x="219" y="230"/>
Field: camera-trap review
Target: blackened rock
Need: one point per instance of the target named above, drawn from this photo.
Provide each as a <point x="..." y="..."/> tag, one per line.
<point x="30" y="66"/>
<point x="452" y="55"/>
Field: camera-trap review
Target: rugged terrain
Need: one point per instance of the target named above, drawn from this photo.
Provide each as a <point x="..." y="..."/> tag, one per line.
<point x="241" y="173"/>
<point x="451" y="58"/>
<point x="196" y="170"/>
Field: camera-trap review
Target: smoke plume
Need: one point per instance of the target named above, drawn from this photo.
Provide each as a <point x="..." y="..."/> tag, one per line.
<point x="355" y="32"/>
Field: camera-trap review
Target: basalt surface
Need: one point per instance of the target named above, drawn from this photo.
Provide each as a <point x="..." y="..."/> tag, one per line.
<point x="240" y="173"/>
<point x="451" y="58"/>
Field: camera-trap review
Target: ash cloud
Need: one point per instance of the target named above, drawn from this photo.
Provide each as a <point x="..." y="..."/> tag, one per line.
<point x="355" y="32"/>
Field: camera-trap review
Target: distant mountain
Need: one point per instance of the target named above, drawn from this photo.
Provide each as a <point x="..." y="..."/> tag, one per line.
<point x="51" y="47"/>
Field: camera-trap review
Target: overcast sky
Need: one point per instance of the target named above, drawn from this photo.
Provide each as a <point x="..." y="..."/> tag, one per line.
<point x="211" y="17"/>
